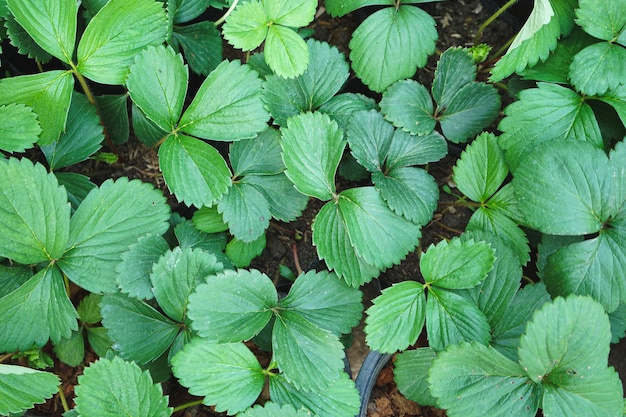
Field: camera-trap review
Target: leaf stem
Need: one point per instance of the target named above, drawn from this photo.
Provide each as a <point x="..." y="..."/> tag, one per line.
<point x="186" y="405"/>
<point x="228" y="12"/>
<point x="493" y="17"/>
<point x="66" y="408"/>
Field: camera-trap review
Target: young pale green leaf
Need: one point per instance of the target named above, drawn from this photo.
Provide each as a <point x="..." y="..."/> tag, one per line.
<point x="201" y="44"/>
<point x="285" y="51"/>
<point x="396" y="318"/>
<point x="109" y="220"/>
<point x="157" y="83"/>
<point x="226" y="375"/>
<point x="598" y="68"/>
<point x="113" y="110"/>
<point x="19" y="128"/>
<point x="34" y="211"/>
<point x="51" y="23"/>
<point x="242" y="253"/>
<point x="408" y="105"/>
<point x="410" y="192"/>
<point x="455" y="70"/>
<point x="246" y="211"/>
<point x="193" y="170"/>
<point x="270" y="409"/>
<point x="407" y="149"/>
<point x="390" y="44"/>
<point x="342" y="106"/>
<point x="291" y="13"/>
<point x="100" y="393"/>
<point x="286" y="203"/>
<point x="261" y="155"/>
<point x="209" y="220"/>
<point x="82" y="137"/>
<point x="232" y="306"/>
<point x="138" y="331"/>
<point x="43" y="304"/>
<point x="310" y="357"/>
<point x="340" y="399"/>
<point x="177" y="274"/>
<point x="71" y="351"/>
<point x="602" y="19"/>
<point x="472" y="380"/>
<point x="481" y="170"/>
<point x="325" y="300"/>
<point x="116" y="35"/>
<point x="246" y="27"/>
<point x="369" y="136"/>
<point x="457" y="264"/>
<point x="227" y="106"/>
<point x="76" y="185"/>
<point x="48" y="93"/>
<point x="451" y="319"/>
<point x="21" y="388"/>
<point x="411" y="375"/>
<point x="134" y="271"/>
<point x="312" y="148"/>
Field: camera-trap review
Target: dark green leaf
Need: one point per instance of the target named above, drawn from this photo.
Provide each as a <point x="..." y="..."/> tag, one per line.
<point x="342" y="106"/>
<point x="12" y="277"/>
<point x="76" y="185"/>
<point x="134" y="271"/>
<point x="408" y="105"/>
<point x="145" y="129"/>
<point x="113" y="110"/>
<point x="411" y="375"/>
<point x="71" y="351"/>
<point x="455" y="70"/>
<point x="24" y="43"/>
<point x="270" y="409"/>
<point x="190" y="9"/>
<point x="201" y="44"/>
<point x="261" y="155"/>
<point x="286" y="203"/>
<point x="190" y="237"/>
<point x="369" y="136"/>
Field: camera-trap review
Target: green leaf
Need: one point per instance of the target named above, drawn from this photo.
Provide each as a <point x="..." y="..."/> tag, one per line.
<point x="286" y="203"/>
<point x="227" y="106"/>
<point x="292" y="13"/>
<point x="19" y="128"/>
<point x="48" y="94"/>
<point x="89" y="309"/>
<point x="12" y="277"/>
<point x="261" y="155"/>
<point x="98" y="340"/>
<point x="285" y="51"/>
<point x="113" y="110"/>
<point x="145" y="129"/>
<point x="407" y="149"/>
<point x="193" y="170"/>
<point x="232" y="306"/>
<point x="411" y="375"/>
<point x="246" y="27"/>
<point x="71" y="351"/>
<point x="177" y="274"/>
<point x="116" y="35"/>
<point x="455" y="70"/>
<point x="139" y="332"/>
<point x="324" y="300"/>
<point x="342" y="106"/>
<point x="338" y="8"/>
<point x="100" y="393"/>
<point x="473" y="380"/>
<point x="76" y="185"/>
<point x="226" y="375"/>
<point x="270" y="409"/>
<point x="242" y="253"/>
<point x="396" y="318"/>
<point x="369" y="136"/>
<point x="44" y="305"/>
<point x="598" y="68"/>
<point x="21" y="388"/>
<point x="34" y="212"/>
<point x="246" y="211"/>
<point x="602" y="19"/>
<point x="457" y="264"/>
<point x="190" y="237"/>
<point x="134" y="271"/>
<point x="408" y="105"/>
<point x="310" y="357"/>
<point x="201" y="44"/>
<point x="481" y="170"/>
<point x="209" y="220"/>
<point x="312" y="148"/>
<point x="157" y="83"/>
<point x="24" y="43"/>
<point x="82" y="136"/>
<point x="51" y="23"/>
<point x="391" y="44"/>
<point x="188" y="10"/>
<point x="109" y="220"/>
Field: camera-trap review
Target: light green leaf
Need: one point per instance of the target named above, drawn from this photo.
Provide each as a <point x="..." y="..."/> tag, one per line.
<point x="292" y="13"/>
<point x="455" y="70"/>
<point x="457" y="264"/>
<point x="109" y="220"/>
<point x="310" y="357"/>
<point x="246" y="27"/>
<point x="201" y="44"/>
<point x="227" y="106"/>
<point x="312" y="148"/>
<point x="270" y="409"/>
<point x="602" y="19"/>
<point x="48" y="94"/>
<point x="261" y="155"/>
<point x="598" y="68"/>
<point x="232" y="306"/>
<point x="396" y="318"/>
<point x="51" y="23"/>
<point x="226" y="375"/>
<point x="407" y="149"/>
<point x="473" y="380"/>
<point x="82" y="137"/>
<point x="208" y="220"/>
<point x="286" y="203"/>
<point x="157" y="83"/>
<point x="408" y="105"/>
<point x="242" y="253"/>
<point x="411" y="375"/>
<point x="391" y="44"/>
<point x="71" y="351"/>
<point x="34" y="213"/>
<point x="193" y="170"/>
<point x="19" y="128"/>
<point x="21" y="388"/>
<point x="99" y="392"/>
<point x="246" y="211"/>
<point x="116" y="34"/>
<point x="134" y="271"/>
<point x="113" y="110"/>
<point x="369" y="136"/>
<point x="285" y="52"/>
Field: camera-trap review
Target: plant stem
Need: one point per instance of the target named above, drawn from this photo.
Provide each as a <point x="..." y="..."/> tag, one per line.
<point x="492" y="18"/>
<point x="186" y="405"/>
<point x="66" y="408"/>
<point x="228" y="12"/>
<point x="5" y="357"/>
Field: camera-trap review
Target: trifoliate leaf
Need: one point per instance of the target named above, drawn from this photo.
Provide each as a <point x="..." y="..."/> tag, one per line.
<point x="226" y="375"/>
<point x="109" y="220"/>
<point x="407" y="149"/>
<point x="312" y="148"/>
<point x="396" y="318"/>
<point x="246" y="211"/>
<point x="116" y="35"/>
<point x="602" y="19"/>
<point x="201" y="44"/>
<point x="134" y="271"/>
<point x="286" y="203"/>
<point x="261" y="155"/>
<point x="42" y="303"/>
<point x="342" y="106"/>
<point x="48" y="93"/>
<point x="291" y="13"/>
<point x="21" y="388"/>
<point x="232" y="306"/>
<point x="270" y="409"/>
<point x="598" y="68"/>
<point x="51" y="23"/>
<point x="82" y="136"/>
<point x="369" y="136"/>
<point x="76" y="185"/>
<point x="391" y="44"/>
<point x="19" y="128"/>
<point x="157" y="83"/>
<point x="34" y="212"/>
<point x="242" y="253"/>
<point x="193" y="170"/>
<point x="246" y="27"/>
<point x="113" y="110"/>
<point x="227" y="106"/>
<point x="455" y="70"/>
<point x="99" y="391"/>
<point x="71" y="351"/>
<point x="408" y="105"/>
<point x="285" y="51"/>
<point x="473" y="380"/>
<point x="411" y="375"/>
